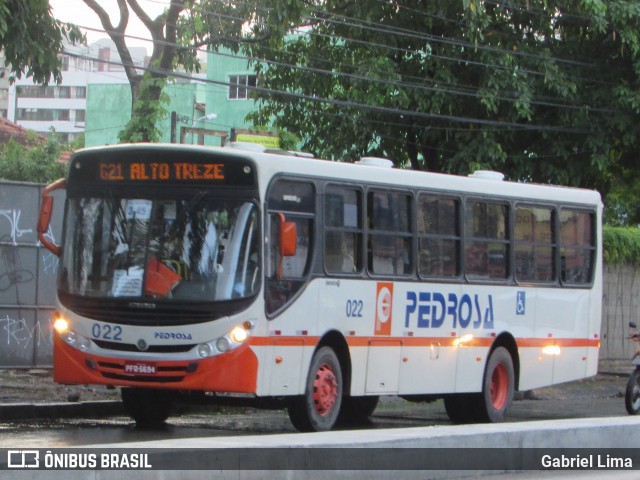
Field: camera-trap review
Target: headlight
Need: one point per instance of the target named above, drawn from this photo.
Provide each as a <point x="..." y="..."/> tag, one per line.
<point x="76" y="340"/>
<point x="239" y="334"/>
<point x="236" y="337"/>
<point x="223" y="345"/>
<point x="204" y="350"/>
<point x="60" y="325"/>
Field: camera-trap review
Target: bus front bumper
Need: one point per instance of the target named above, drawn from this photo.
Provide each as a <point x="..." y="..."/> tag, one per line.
<point x="235" y="371"/>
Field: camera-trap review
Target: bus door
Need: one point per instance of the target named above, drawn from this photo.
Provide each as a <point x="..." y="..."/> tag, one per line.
<point x="291" y="309"/>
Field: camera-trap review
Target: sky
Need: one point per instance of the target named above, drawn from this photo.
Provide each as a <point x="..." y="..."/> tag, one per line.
<point x="75" y="11"/>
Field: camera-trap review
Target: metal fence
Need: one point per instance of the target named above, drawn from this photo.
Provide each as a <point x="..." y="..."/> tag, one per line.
<point x="27" y="277"/>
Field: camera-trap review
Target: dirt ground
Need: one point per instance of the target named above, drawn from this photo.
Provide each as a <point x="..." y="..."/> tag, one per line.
<point x="37" y="386"/>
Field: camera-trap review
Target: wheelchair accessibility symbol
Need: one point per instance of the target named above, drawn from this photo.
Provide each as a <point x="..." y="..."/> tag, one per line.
<point x="520" y="303"/>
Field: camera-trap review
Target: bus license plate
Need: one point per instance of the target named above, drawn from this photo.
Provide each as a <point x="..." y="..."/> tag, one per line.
<point x="140" y="368"/>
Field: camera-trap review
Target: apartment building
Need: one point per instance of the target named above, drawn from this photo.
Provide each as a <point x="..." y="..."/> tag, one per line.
<point x="63" y="107"/>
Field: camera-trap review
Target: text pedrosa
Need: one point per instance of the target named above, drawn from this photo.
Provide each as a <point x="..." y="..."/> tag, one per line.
<point x="160" y="171"/>
<point x="434" y="309"/>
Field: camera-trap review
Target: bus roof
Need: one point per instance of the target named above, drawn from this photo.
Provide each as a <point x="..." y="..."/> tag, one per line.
<point x="372" y="172"/>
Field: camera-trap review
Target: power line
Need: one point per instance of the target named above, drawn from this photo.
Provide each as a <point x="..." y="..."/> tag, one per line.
<point x="347" y="103"/>
<point x="470" y="92"/>
<point x="401" y="32"/>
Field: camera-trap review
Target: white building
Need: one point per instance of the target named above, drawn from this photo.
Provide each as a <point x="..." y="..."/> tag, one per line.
<point x="63" y="106"/>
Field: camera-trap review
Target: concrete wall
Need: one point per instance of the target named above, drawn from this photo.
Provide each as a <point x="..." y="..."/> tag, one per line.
<point x="27" y="278"/>
<point x="620" y="304"/>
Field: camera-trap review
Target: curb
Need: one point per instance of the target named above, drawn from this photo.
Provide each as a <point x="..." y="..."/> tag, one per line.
<point x="32" y="411"/>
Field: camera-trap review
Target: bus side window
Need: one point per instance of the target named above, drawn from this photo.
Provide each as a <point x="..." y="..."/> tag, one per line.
<point x="390" y="237"/>
<point x="343" y="230"/>
<point x="534" y="244"/>
<point x="487" y="240"/>
<point x="438" y="236"/>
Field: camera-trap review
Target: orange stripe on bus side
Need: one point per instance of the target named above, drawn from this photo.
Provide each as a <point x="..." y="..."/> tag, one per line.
<point x="560" y="342"/>
<point x="290" y="341"/>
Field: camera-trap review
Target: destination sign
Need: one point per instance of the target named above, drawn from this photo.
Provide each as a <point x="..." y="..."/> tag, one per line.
<point x="158" y="166"/>
<point x="117" y="172"/>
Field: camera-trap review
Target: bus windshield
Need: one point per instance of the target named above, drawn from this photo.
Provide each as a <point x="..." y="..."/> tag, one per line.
<point x="199" y="247"/>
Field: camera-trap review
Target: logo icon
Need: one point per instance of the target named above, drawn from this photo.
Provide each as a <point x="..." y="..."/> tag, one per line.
<point x="520" y="303"/>
<point x="384" y="308"/>
<point x="23" y="459"/>
<point x="142" y="345"/>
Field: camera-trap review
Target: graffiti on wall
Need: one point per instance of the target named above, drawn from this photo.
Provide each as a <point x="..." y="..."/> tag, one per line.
<point x="27" y="279"/>
<point x="11" y="271"/>
<point x="18" y="333"/>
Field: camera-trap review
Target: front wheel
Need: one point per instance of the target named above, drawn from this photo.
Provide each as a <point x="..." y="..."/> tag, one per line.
<point x="357" y="410"/>
<point x="148" y="407"/>
<point x="632" y="394"/>
<point x="497" y="388"/>
<point x="318" y="409"/>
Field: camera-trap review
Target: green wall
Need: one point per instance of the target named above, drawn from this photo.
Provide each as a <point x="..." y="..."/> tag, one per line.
<point x="231" y="113"/>
<point x="109" y="109"/>
<point x="109" y="105"/>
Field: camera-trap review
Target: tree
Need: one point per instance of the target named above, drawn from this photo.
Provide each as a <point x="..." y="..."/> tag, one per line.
<point x="32" y="39"/>
<point x="543" y="91"/>
<point x="177" y="34"/>
<point x="37" y="162"/>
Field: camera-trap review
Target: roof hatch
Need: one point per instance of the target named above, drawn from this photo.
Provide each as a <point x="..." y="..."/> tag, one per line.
<point x="375" y="162"/>
<point x="487" y="175"/>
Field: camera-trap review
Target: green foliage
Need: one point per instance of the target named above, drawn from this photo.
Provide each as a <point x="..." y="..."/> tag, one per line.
<point x="288" y="141"/>
<point x="621" y="245"/>
<point x="78" y="143"/>
<point x="622" y="206"/>
<point x="38" y="163"/>
<point x="148" y="110"/>
<point x="32" y="39"/>
<point x="542" y="91"/>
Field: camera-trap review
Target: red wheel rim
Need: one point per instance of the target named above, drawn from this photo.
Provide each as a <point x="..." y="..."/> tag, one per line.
<point x="325" y="390"/>
<point x="499" y="387"/>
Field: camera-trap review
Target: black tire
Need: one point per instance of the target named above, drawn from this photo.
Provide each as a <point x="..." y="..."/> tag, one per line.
<point x="632" y="394"/>
<point x="460" y="407"/>
<point x="148" y="407"/>
<point x="357" y="410"/>
<point x="498" y="386"/>
<point x="318" y="409"/>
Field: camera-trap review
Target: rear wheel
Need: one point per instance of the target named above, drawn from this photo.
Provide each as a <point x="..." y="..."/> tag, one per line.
<point x="148" y="407"/>
<point x="459" y="407"/>
<point x="497" y="388"/>
<point x="632" y="394"/>
<point x="318" y="409"/>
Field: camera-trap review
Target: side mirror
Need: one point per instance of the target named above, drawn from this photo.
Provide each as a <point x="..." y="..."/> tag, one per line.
<point x="287" y="241"/>
<point x="46" y="209"/>
<point x="288" y="237"/>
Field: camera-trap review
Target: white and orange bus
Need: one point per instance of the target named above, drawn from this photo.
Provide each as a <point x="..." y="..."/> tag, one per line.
<point x="322" y="285"/>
